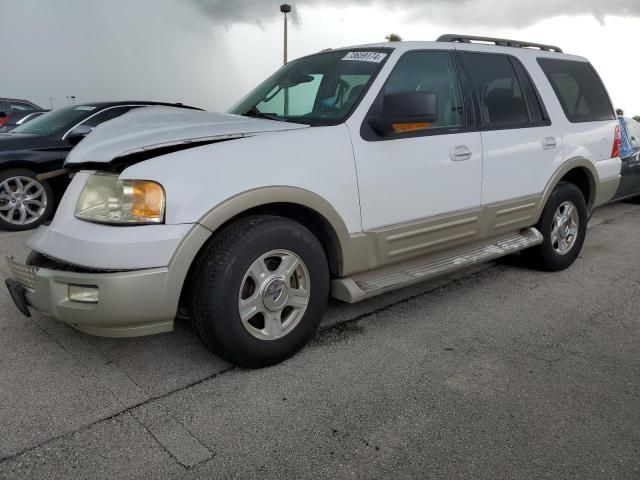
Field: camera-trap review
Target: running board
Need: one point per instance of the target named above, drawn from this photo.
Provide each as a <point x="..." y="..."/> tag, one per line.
<point x="369" y="284"/>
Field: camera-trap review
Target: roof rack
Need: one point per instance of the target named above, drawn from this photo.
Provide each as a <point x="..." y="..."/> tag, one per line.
<point x="502" y="42"/>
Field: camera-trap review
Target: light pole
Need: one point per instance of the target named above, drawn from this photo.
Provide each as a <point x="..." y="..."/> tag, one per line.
<point x="285" y="8"/>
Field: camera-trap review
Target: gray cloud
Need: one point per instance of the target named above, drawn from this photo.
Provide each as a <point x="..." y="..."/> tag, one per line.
<point x="112" y="50"/>
<point x="503" y="13"/>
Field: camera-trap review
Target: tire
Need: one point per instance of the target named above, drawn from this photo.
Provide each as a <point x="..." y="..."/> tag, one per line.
<point x="548" y="256"/>
<point x="224" y="281"/>
<point x="19" y="192"/>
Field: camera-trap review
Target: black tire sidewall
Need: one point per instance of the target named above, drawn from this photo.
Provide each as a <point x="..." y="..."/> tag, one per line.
<point x="220" y="306"/>
<point x="20" y="172"/>
<point x="564" y="192"/>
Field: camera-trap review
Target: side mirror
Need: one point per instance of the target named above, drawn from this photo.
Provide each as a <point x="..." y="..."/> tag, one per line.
<point x="77" y="134"/>
<point x="406" y="112"/>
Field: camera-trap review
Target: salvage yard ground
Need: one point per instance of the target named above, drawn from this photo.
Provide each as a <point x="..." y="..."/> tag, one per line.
<point x="494" y="372"/>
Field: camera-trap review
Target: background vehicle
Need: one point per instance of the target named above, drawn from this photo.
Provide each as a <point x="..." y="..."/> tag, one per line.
<point x="12" y="106"/>
<point x="630" y="155"/>
<point x="15" y="119"/>
<point x="350" y="173"/>
<point x="40" y="146"/>
<point x="17" y="105"/>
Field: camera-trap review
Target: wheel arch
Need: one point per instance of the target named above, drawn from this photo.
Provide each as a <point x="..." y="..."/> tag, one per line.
<point x="303" y="206"/>
<point x="578" y="171"/>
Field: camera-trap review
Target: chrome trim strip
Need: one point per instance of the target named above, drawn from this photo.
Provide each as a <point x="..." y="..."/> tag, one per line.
<point x="97" y="113"/>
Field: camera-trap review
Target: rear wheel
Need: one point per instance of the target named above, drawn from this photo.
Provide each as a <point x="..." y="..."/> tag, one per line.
<point x="564" y="226"/>
<point x="25" y="202"/>
<point x="260" y="290"/>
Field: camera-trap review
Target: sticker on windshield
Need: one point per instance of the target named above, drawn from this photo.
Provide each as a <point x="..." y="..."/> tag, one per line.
<point x="374" y="57"/>
<point x="85" y="108"/>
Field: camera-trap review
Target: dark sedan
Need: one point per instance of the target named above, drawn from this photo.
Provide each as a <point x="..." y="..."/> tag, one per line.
<point x="41" y="146"/>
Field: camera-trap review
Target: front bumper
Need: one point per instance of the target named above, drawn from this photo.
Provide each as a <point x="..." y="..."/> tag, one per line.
<point x="132" y="303"/>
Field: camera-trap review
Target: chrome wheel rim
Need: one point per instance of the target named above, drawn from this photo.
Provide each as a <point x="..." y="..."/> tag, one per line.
<point x="565" y="228"/>
<point x="23" y="200"/>
<point x="274" y="295"/>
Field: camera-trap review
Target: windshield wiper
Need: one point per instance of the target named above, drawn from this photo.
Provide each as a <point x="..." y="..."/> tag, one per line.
<point x="254" y="112"/>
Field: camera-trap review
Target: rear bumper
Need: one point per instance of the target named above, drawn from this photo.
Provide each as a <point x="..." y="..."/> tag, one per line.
<point x="609" y="180"/>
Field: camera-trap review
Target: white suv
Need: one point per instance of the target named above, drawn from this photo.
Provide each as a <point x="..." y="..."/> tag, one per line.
<point x="349" y="173"/>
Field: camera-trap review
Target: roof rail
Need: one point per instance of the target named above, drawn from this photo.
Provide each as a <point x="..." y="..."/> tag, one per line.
<point x="502" y="42"/>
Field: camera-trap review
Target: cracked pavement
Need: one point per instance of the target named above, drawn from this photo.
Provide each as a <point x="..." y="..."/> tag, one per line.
<point x="493" y="372"/>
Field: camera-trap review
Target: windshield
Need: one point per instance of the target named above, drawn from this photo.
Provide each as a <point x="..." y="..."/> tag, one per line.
<point x="55" y="121"/>
<point x="318" y="90"/>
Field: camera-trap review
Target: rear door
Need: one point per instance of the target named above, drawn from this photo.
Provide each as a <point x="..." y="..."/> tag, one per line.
<point x="520" y="147"/>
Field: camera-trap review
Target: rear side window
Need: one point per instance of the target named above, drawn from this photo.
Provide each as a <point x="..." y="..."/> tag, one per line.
<point x="499" y="91"/>
<point x="579" y="90"/>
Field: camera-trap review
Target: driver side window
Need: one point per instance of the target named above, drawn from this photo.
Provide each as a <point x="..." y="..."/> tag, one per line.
<point x="432" y="72"/>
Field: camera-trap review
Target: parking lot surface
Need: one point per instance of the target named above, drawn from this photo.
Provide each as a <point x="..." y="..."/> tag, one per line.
<point x="494" y="372"/>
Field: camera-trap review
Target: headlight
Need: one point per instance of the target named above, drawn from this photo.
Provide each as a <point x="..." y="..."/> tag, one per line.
<point x="107" y="199"/>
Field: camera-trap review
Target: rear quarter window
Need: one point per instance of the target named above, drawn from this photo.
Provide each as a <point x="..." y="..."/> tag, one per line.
<point x="579" y="90"/>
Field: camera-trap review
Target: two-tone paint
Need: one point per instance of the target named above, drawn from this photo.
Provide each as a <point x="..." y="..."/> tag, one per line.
<point x="377" y="203"/>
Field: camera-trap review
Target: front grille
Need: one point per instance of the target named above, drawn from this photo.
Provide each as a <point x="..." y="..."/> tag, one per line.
<point x="24" y="274"/>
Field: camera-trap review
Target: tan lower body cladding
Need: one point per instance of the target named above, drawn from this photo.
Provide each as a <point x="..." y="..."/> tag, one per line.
<point x="388" y="245"/>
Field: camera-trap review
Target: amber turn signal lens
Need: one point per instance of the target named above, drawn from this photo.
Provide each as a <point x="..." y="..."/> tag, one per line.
<point x="148" y="200"/>
<point x="409" y="127"/>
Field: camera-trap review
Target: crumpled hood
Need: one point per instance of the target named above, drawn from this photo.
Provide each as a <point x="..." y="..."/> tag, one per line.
<point x="152" y="128"/>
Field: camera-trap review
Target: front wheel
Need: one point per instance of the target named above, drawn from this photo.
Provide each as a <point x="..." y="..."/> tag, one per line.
<point x="25" y="202"/>
<point x="260" y="290"/>
<point x="564" y="227"/>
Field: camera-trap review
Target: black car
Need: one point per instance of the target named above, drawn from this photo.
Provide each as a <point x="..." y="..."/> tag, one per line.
<point x="41" y="146"/>
<point x="15" y="119"/>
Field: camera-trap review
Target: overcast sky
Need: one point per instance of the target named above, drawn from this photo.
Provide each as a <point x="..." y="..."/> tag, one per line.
<point x="208" y="53"/>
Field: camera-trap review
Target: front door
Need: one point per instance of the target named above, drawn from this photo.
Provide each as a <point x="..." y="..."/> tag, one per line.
<point x="421" y="189"/>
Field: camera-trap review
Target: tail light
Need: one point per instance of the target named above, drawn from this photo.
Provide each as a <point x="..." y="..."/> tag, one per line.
<point x="3" y="118"/>
<point x="616" y="143"/>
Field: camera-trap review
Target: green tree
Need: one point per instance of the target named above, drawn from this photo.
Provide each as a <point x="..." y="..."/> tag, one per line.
<point x="393" y="37"/>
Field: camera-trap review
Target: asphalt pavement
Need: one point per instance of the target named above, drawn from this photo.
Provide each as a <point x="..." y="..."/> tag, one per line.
<point x="493" y="372"/>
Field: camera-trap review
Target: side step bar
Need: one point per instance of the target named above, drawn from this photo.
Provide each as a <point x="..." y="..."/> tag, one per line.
<point x="369" y="284"/>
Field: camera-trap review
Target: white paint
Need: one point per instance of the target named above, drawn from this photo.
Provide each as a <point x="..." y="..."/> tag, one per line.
<point x="369" y="184"/>
<point x="103" y="246"/>
<point x="154" y="127"/>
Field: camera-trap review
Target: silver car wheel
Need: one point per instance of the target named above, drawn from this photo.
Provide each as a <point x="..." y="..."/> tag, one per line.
<point x="23" y="200"/>
<point x="274" y="295"/>
<point x="565" y="228"/>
